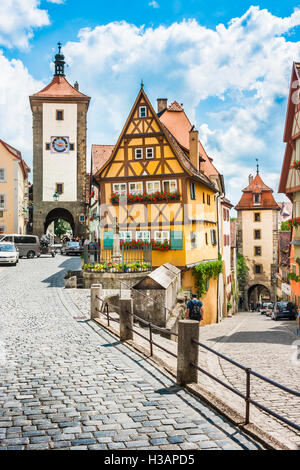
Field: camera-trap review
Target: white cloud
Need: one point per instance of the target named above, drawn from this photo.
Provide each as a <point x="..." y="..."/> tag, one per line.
<point x="153" y="4"/>
<point x="245" y="64"/>
<point x="16" y="85"/>
<point x="18" y="18"/>
<point x="243" y="67"/>
<point x="58" y="2"/>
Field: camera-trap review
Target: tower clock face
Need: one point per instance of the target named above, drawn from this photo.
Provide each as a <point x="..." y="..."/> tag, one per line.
<point x="60" y="144"/>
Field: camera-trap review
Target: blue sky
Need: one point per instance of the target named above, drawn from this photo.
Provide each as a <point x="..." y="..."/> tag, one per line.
<point x="229" y="63"/>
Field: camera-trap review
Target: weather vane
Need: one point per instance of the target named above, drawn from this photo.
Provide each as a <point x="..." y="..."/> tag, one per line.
<point x="59" y="46"/>
<point x="142" y="84"/>
<point x="257" y="166"/>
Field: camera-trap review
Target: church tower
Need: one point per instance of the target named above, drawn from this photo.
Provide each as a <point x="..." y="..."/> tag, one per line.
<point x="59" y="152"/>
<point x="257" y="240"/>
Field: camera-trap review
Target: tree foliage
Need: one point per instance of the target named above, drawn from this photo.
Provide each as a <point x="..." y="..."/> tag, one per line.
<point x="242" y="268"/>
<point x="61" y="227"/>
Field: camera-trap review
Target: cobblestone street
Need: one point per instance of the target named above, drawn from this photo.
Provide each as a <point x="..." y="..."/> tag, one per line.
<point x="65" y="385"/>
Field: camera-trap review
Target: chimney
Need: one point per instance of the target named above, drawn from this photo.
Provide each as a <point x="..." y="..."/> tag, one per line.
<point x="76" y="86"/>
<point x="194" y="147"/>
<point x="250" y="178"/>
<point x="162" y="104"/>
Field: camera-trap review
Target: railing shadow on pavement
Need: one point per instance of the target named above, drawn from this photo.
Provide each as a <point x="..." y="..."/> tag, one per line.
<point x="142" y="363"/>
<point x="57" y="279"/>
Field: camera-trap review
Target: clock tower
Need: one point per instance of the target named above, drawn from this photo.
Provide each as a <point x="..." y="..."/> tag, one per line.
<point x="59" y="152"/>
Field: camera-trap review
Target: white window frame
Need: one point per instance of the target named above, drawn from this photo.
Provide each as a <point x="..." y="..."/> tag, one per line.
<point x="152" y="191"/>
<point x="140" y="111"/>
<point x="162" y="236"/>
<point x="135" y="191"/>
<point x="136" y="151"/>
<point x="256" y="203"/>
<point x="3" y="207"/>
<point x="125" y="235"/>
<point x="4" y="229"/>
<point x="195" y="241"/>
<point x="4" y="175"/>
<point x="152" y="153"/>
<point x="119" y="191"/>
<point x="170" y="181"/>
<point x="143" y="235"/>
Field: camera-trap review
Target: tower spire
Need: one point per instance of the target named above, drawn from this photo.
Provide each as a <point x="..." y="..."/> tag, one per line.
<point x="59" y="62"/>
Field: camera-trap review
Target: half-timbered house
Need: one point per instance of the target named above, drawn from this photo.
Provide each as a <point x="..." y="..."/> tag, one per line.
<point x="290" y="174"/>
<point x="158" y="194"/>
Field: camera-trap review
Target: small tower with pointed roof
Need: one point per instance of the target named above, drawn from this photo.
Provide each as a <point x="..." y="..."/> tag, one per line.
<point x="257" y="239"/>
<point x="59" y="152"/>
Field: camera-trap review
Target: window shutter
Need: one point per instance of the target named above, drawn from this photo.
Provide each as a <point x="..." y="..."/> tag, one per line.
<point x="108" y="239"/>
<point x="176" y="240"/>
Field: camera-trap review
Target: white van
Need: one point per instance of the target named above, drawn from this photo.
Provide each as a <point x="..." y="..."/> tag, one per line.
<point x="28" y="245"/>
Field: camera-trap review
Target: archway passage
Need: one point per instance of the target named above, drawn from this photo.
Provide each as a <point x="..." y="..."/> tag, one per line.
<point x="59" y="214"/>
<point x="258" y="293"/>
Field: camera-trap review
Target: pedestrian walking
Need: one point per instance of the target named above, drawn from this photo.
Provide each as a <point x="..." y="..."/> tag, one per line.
<point x="194" y="309"/>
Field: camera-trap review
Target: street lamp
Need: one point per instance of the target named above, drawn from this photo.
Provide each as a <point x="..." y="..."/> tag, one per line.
<point x="55" y="197"/>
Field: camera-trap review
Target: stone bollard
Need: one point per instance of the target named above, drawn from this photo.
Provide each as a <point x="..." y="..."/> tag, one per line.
<point x="187" y="351"/>
<point x="96" y="302"/>
<point x="126" y="319"/>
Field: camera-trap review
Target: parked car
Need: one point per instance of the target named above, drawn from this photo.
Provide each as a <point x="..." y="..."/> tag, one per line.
<point x="269" y="309"/>
<point x="263" y="309"/>
<point x="28" y="245"/>
<point x="72" y="248"/>
<point x="284" y="310"/>
<point x="8" y="253"/>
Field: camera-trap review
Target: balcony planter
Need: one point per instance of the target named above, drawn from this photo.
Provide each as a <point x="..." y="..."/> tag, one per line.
<point x="141" y="244"/>
<point x="148" y="198"/>
<point x="294" y="222"/>
<point x="295" y="165"/>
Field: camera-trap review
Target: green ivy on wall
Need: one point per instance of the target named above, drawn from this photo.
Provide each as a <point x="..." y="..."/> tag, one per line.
<point x="205" y="271"/>
<point x="293" y="277"/>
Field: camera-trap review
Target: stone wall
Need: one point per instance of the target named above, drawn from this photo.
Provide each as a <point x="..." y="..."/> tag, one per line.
<point x="111" y="280"/>
<point x="149" y="305"/>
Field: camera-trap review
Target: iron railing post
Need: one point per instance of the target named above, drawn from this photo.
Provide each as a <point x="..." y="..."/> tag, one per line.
<point x="248" y="375"/>
<point x="107" y="313"/>
<point x="150" y="337"/>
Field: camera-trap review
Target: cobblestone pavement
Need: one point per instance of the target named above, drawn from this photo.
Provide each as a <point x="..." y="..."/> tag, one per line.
<point x="255" y="341"/>
<point x="67" y="384"/>
<point x="267" y="347"/>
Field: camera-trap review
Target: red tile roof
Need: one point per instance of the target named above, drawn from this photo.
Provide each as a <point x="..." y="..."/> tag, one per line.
<point x="100" y="155"/>
<point x="257" y="186"/>
<point x="179" y="125"/>
<point x="175" y="107"/>
<point x="17" y="154"/>
<point x="60" y="88"/>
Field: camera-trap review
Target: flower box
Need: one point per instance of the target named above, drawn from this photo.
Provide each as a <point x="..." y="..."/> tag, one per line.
<point x="295" y="165"/>
<point x="148" y="198"/>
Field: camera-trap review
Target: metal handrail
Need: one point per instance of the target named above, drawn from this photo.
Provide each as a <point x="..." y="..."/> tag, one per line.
<point x="247" y="397"/>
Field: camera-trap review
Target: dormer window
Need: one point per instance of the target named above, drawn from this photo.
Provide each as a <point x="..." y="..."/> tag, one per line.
<point x="256" y="199"/>
<point x="142" y="111"/>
